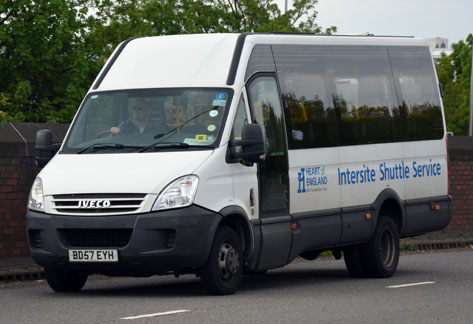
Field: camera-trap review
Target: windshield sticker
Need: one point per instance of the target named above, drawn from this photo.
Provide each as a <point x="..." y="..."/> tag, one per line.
<point x="94" y="97"/>
<point x="219" y="102"/>
<point x="220" y="96"/>
<point x="194" y="141"/>
<point x="213" y="113"/>
<point x="201" y="138"/>
<point x="211" y="128"/>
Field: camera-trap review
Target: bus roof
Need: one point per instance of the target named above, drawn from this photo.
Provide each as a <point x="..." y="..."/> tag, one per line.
<point x="205" y="60"/>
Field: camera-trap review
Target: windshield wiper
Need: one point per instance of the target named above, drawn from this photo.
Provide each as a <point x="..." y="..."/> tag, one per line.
<point x="165" y="145"/>
<point x="102" y="146"/>
<point x="159" y="145"/>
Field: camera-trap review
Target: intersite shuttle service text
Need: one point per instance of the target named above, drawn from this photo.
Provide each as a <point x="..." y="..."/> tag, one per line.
<point x="387" y="172"/>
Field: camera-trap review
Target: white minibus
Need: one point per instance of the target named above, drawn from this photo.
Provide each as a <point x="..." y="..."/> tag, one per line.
<point x="221" y="155"/>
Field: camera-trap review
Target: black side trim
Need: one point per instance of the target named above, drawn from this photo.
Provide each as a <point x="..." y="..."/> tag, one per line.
<point x="112" y="61"/>
<point x="423" y="216"/>
<point x="236" y="58"/>
<point x="276" y="238"/>
<point x="275" y="220"/>
<point x="427" y="200"/>
<point x="325" y="212"/>
<point x="355" y="209"/>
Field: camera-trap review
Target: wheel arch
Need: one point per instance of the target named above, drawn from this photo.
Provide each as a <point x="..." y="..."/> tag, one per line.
<point x="388" y="203"/>
<point x="236" y="218"/>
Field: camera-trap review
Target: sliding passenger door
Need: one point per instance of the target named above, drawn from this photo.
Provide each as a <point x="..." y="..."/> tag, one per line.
<point x="273" y="181"/>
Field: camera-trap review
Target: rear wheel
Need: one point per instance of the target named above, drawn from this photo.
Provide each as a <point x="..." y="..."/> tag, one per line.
<point x="382" y="250"/>
<point x="222" y="273"/>
<point x="61" y="281"/>
<point x="355" y="261"/>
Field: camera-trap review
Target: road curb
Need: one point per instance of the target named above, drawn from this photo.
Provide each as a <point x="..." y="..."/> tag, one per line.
<point x="427" y="245"/>
<point x="21" y="273"/>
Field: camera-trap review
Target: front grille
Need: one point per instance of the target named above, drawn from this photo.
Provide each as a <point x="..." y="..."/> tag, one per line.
<point x="96" y="238"/>
<point x="93" y="204"/>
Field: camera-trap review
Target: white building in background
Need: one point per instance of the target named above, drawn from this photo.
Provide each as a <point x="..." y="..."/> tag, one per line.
<point x="439" y="45"/>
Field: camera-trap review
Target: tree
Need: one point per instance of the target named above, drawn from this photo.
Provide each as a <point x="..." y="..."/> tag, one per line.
<point x="122" y="19"/>
<point x="454" y="72"/>
<point x="44" y="64"/>
<point x="51" y="50"/>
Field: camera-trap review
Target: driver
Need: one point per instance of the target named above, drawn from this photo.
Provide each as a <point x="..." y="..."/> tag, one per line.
<point x="141" y="122"/>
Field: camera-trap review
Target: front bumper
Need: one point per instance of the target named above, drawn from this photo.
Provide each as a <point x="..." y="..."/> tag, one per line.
<point x="172" y="240"/>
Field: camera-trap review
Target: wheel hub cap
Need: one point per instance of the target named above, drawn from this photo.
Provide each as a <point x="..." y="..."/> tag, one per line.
<point x="228" y="261"/>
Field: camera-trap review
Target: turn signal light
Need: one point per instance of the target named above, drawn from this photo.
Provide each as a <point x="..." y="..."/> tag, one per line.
<point x="368" y="216"/>
<point x="293" y="226"/>
<point x="437" y="207"/>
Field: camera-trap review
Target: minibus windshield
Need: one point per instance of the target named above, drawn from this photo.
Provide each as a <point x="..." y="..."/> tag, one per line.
<point x="148" y="121"/>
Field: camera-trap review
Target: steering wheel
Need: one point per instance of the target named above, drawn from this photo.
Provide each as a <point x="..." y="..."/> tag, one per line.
<point x="105" y="133"/>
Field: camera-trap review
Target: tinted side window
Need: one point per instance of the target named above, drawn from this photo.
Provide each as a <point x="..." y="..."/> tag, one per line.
<point x="263" y="96"/>
<point x="348" y="95"/>
<point x="261" y="60"/>
<point x="240" y="120"/>
<point x="310" y="115"/>
<point x="418" y="93"/>
<point x="264" y="99"/>
<point x="363" y="93"/>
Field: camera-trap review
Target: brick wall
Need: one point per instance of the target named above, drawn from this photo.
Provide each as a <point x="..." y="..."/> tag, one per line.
<point x="18" y="170"/>
<point x="17" y="173"/>
<point x="460" y="150"/>
<point x="16" y="177"/>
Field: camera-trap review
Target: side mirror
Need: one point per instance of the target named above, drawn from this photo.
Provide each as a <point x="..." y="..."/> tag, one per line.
<point x="45" y="149"/>
<point x="252" y="144"/>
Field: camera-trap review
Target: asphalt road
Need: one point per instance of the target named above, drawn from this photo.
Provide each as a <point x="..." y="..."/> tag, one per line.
<point x="320" y="291"/>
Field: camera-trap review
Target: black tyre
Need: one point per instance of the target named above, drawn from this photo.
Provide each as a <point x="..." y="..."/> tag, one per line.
<point x="222" y="273"/>
<point x="382" y="250"/>
<point x="61" y="281"/>
<point x="355" y="261"/>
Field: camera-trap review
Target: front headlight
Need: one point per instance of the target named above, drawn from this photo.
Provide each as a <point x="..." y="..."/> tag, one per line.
<point x="36" y="199"/>
<point x="179" y="193"/>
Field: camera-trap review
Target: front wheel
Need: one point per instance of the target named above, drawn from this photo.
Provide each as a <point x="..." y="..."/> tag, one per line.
<point x="61" y="281"/>
<point x="222" y="273"/>
<point x="382" y="250"/>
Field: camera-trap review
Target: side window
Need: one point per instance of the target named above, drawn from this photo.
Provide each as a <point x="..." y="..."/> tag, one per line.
<point x="347" y="95"/>
<point x="418" y="93"/>
<point x="364" y="94"/>
<point x="240" y="120"/>
<point x="274" y="181"/>
<point x="310" y="115"/>
<point x="267" y="112"/>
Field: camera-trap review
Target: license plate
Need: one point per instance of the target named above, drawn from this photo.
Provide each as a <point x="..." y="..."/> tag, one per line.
<point x="107" y="255"/>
